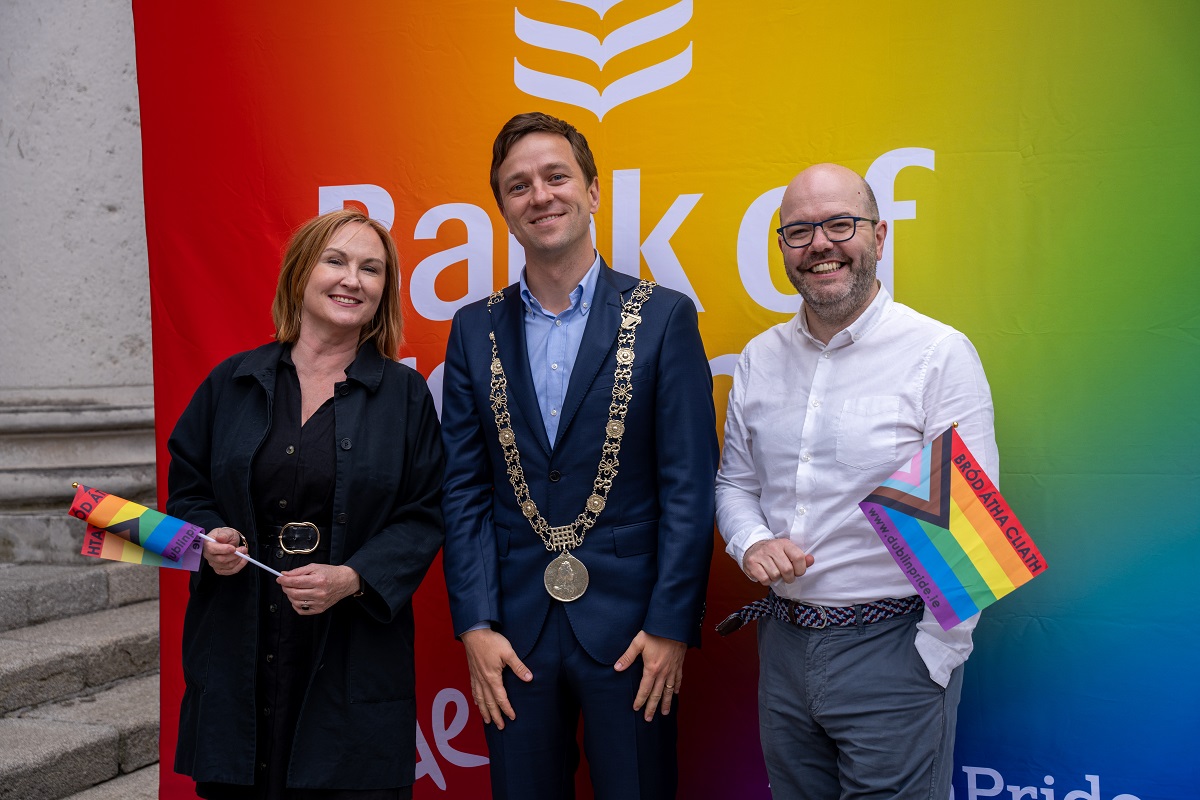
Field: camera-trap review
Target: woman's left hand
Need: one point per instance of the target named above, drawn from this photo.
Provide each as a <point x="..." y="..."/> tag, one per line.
<point x="314" y="588"/>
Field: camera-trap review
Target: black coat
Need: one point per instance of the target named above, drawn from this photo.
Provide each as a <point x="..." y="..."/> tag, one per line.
<point x="357" y="728"/>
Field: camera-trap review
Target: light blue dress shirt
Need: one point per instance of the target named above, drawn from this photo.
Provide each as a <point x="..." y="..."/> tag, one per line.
<point x="552" y="342"/>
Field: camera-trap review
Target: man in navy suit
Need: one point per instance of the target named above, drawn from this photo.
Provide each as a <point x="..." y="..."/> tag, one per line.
<point x="579" y="426"/>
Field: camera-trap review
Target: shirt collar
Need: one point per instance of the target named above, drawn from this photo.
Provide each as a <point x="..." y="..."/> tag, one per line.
<point x="856" y="330"/>
<point x="581" y="295"/>
<point x="366" y="368"/>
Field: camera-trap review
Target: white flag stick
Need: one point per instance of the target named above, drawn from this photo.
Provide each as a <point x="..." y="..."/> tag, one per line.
<point x="243" y="556"/>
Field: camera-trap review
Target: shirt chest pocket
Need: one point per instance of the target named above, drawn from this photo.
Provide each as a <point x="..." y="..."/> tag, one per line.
<point x="866" y="431"/>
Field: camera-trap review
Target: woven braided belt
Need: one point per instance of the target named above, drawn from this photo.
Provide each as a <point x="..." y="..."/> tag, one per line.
<point x="807" y="616"/>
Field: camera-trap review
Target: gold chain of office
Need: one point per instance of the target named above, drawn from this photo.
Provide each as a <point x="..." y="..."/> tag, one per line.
<point x="567" y="537"/>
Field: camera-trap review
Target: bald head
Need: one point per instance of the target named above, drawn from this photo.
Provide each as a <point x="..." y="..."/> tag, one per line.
<point x="827" y="186"/>
<point x="831" y="260"/>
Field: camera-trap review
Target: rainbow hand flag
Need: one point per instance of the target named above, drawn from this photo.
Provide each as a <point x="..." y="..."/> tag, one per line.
<point x="99" y="543"/>
<point x="951" y="532"/>
<point x="143" y="527"/>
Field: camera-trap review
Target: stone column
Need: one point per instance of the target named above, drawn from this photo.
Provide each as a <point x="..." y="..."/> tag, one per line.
<point x="76" y="397"/>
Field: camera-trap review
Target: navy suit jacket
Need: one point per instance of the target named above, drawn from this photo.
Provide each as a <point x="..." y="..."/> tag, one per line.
<point x="648" y="554"/>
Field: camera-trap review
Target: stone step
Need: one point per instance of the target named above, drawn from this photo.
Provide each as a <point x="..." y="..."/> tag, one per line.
<point x="130" y="706"/>
<point x="58" y="749"/>
<point x="76" y="655"/>
<point x="31" y="594"/>
<point x="46" y="760"/>
<point x="79" y="704"/>
<point x="140" y="785"/>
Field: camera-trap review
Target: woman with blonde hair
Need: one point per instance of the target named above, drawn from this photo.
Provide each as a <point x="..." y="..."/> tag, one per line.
<point x="319" y="455"/>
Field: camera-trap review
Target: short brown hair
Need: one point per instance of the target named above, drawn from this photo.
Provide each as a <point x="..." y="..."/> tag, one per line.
<point x="301" y="256"/>
<point x="521" y="126"/>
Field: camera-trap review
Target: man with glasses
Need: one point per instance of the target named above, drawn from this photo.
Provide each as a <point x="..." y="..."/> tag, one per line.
<point x="858" y="683"/>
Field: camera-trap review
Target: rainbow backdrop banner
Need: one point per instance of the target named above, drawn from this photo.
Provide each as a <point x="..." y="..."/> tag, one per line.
<point x="146" y="528"/>
<point x="951" y="531"/>
<point x="99" y="543"/>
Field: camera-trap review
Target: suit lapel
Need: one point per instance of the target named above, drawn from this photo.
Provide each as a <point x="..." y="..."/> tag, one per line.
<point x="508" y="324"/>
<point x="599" y="337"/>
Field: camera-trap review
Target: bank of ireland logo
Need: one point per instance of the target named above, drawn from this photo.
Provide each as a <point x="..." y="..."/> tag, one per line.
<point x="563" y="39"/>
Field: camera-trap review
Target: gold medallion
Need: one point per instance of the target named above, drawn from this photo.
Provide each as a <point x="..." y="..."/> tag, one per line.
<point x="566" y="578"/>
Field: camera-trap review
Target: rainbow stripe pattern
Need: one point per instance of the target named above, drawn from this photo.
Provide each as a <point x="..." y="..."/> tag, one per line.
<point x="145" y="528"/>
<point x="951" y="532"/>
<point x="99" y="543"/>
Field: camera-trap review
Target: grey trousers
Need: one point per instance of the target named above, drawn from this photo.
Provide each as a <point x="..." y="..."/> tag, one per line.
<point x="852" y="713"/>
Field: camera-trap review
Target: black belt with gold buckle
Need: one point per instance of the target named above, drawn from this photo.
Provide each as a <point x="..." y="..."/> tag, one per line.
<point x="298" y="538"/>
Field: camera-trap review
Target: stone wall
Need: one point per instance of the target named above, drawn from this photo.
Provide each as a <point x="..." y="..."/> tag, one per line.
<point x="76" y="398"/>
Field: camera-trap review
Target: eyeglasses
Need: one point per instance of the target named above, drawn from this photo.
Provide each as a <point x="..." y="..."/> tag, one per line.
<point x="299" y="538"/>
<point x="837" y="229"/>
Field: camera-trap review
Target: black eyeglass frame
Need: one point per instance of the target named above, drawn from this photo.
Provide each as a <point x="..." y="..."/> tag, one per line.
<point x="821" y="225"/>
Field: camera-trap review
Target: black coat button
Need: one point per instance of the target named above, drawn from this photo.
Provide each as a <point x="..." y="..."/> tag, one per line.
<point x="341" y="519"/>
<point x="555" y="476"/>
<point x="344" y="389"/>
<point x="344" y="444"/>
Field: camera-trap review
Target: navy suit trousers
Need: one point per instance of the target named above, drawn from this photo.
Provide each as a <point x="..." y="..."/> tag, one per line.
<point x="535" y="756"/>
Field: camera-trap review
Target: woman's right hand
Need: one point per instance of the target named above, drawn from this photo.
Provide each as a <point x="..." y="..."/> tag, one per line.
<point x="220" y="554"/>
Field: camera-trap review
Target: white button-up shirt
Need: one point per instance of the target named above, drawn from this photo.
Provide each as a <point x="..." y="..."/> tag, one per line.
<point x="812" y="429"/>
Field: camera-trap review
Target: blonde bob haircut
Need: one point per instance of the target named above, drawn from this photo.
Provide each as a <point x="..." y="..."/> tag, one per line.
<point x="305" y="249"/>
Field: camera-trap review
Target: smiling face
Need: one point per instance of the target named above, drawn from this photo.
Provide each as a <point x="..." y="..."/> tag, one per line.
<point x="546" y="200"/>
<point x="836" y="279"/>
<point x="346" y="284"/>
